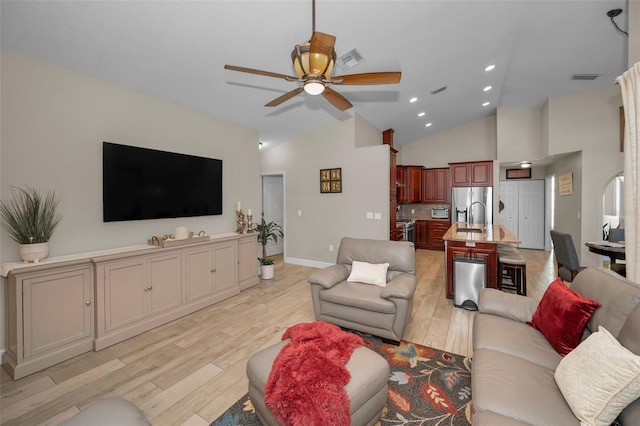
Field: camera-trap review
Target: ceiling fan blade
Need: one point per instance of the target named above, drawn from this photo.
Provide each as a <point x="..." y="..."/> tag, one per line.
<point x="336" y="99"/>
<point x="368" y="78"/>
<point x="284" y="97"/>
<point x="320" y="53"/>
<point x="260" y="72"/>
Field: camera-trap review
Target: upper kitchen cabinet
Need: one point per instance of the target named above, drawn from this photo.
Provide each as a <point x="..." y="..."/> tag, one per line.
<point x="435" y="186"/>
<point x="409" y="184"/>
<point x="476" y="173"/>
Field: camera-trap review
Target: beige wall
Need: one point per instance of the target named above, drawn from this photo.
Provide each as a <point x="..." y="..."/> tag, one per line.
<point x="588" y="121"/>
<point x="326" y="218"/>
<point x="568" y="207"/>
<point x="474" y="141"/>
<point x="53" y="124"/>
<point x="518" y="132"/>
<point x="634" y="31"/>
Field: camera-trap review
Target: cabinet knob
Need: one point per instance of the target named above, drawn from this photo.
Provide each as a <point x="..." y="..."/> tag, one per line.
<point x="213" y="270"/>
<point x="88" y="302"/>
<point x="150" y="287"/>
<point x="146" y="289"/>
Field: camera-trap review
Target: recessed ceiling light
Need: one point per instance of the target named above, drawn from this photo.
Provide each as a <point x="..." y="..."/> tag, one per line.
<point x="421" y="114"/>
<point x="413" y="99"/>
<point x="428" y="125"/>
<point x="489" y="67"/>
<point x="486" y="89"/>
<point x="486" y="104"/>
<point x="525" y="164"/>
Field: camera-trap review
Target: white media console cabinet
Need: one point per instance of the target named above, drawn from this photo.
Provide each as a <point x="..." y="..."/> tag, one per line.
<point x="63" y="307"/>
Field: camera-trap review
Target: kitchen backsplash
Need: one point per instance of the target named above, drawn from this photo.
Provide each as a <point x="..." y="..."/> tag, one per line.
<point x="417" y="211"/>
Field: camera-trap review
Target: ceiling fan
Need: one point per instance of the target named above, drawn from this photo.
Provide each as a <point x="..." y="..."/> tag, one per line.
<point x="314" y="62"/>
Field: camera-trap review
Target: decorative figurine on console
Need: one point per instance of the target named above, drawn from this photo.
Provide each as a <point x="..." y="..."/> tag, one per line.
<point x="240" y="222"/>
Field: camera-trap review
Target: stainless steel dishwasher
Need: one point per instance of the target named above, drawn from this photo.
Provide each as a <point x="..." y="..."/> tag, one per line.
<point x="469" y="277"/>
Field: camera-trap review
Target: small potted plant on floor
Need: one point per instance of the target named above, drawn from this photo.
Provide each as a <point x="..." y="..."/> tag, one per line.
<point x="30" y="218"/>
<point x="266" y="232"/>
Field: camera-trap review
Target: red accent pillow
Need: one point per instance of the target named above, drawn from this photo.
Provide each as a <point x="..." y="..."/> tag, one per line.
<point x="562" y="315"/>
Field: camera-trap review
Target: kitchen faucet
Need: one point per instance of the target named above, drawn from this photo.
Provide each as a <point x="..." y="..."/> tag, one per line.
<point x="471" y="211"/>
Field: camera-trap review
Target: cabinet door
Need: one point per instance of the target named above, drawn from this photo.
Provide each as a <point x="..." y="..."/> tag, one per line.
<point x="460" y="174"/>
<point x="508" y="217"/>
<point x="164" y="287"/>
<point x="224" y="271"/>
<point x="57" y="309"/>
<point x="436" y="230"/>
<point x="491" y="259"/>
<point x="481" y="173"/>
<point x="428" y="181"/>
<point x="414" y="184"/>
<point x="247" y="261"/>
<point x="421" y="234"/>
<point x="401" y="190"/>
<point x="199" y="270"/>
<point x="125" y="298"/>
<point x="441" y="189"/>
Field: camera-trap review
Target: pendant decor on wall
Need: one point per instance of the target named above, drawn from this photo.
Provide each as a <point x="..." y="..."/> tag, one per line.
<point x="330" y="180"/>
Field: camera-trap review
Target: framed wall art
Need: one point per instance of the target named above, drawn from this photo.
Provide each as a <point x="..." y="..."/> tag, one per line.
<point x="331" y="180"/>
<point x="519" y="173"/>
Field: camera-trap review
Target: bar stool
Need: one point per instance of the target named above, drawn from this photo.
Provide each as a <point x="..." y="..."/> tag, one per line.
<point x="513" y="269"/>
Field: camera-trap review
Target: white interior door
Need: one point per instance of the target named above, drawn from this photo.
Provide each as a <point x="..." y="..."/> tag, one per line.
<point x="273" y="208"/>
<point x="508" y="217"/>
<point x="531" y="214"/>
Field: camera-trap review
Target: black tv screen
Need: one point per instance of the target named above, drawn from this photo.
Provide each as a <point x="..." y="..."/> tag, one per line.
<point x="141" y="183"/>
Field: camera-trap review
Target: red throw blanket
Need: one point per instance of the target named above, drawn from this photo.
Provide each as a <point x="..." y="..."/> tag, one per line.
<point x="306" y="383"/>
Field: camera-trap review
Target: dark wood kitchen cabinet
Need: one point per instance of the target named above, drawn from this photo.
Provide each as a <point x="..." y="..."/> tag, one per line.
<point x="435" y="231"/>
<point x="476" y="173"/>
<point x="409" y="184"/>
<point x="421" y="234"/>
<point x="435" y="186"/>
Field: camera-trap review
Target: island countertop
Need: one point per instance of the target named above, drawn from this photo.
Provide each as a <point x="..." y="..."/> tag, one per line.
<point x="491" y="234"/>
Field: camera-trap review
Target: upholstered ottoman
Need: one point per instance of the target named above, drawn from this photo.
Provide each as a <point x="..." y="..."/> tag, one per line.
<point x="367" y="388"/>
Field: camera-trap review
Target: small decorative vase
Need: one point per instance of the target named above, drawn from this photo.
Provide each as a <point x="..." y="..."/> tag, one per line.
<point x="267" y="271"/>
<point x="34" y="252"/>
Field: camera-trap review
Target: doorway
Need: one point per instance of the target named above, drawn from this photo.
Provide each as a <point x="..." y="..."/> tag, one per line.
<point x="522" y="211"/>
<point x="273" y="207"/>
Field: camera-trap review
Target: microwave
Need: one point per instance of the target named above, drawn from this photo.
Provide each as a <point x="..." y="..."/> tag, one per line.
<point x="440" y="213"/>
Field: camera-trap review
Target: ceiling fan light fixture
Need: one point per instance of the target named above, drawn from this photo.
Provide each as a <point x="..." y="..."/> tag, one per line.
<point x="313" y="87"/>
<point x="323" y="63"/>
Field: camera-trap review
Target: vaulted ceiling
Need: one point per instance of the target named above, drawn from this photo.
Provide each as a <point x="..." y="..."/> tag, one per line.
<point x="176" y="50"/>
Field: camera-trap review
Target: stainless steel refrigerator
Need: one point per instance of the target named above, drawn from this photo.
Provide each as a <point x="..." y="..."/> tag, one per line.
<point x="472" y="204"/>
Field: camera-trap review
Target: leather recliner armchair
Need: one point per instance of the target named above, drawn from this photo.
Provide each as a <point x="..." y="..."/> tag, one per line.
<point x="380" y="311"/>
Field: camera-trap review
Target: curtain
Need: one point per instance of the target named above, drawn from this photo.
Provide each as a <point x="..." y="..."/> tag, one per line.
<point x="629" y="83"/>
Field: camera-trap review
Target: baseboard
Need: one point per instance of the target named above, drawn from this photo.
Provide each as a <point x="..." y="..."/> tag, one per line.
<point x="306" y="262"/>
<point x="2" y="351"/>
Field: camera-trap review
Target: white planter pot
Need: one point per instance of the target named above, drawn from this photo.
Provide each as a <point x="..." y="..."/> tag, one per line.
<point x="34" y="252"/>
<point x="267" y="272"/>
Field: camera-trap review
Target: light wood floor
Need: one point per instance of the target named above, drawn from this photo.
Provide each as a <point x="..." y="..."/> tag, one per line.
<point x="189" y="371"/>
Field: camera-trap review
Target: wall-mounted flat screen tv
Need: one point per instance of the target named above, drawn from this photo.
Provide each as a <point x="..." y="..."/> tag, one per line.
<point x="141" y="183"/>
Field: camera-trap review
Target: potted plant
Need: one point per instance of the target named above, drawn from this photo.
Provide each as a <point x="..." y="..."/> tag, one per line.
<point x="267" y="231"/>
<point x="30" y="218"/>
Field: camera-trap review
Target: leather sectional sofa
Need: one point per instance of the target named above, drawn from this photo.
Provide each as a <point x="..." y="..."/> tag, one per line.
<point x="513" y="363"/>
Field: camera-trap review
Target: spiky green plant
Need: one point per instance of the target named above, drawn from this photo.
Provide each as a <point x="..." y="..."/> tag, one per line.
<point x="267" y="231"/>
<point x="30" y="217"/>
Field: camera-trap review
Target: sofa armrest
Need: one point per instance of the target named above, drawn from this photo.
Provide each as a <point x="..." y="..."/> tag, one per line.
<point x="402" y="287"/>
<point x="329" y="276"/>
<point x="507" y="305"/>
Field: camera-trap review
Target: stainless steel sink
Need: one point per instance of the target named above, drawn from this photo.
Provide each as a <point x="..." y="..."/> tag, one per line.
<point x="470" y="230"/>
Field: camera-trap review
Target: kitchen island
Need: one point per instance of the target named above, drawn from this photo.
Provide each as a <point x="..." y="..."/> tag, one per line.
<point x="476" y="242"/>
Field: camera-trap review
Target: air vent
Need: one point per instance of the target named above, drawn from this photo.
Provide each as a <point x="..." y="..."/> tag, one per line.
<point x="584" y="76"/>
<point x="442" y="89"/>
<point x="350" y="59"/>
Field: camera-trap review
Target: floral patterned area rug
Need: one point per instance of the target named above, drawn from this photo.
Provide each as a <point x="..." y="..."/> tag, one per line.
<point x="426" y="387"/>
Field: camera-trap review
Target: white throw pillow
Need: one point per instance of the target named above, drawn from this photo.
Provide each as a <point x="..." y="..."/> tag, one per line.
<point x="599" y="378"/>
<point x="369" y="273"/>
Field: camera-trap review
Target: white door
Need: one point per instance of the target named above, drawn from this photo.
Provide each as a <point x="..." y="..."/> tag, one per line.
<point x="531" y="214"/>
<point x="508" y="216"/>
<point x="273" y="208"/>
